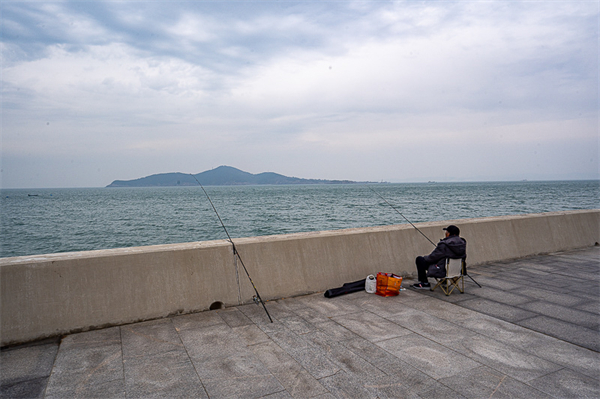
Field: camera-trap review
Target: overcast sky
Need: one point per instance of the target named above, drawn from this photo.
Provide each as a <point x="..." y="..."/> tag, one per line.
<point x="399" y="91"/>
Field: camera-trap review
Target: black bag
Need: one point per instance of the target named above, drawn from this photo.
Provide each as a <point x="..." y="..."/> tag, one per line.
<point x="436" y="271"/>
<point x="440" y="272"/>
<point x="347" y="288"/>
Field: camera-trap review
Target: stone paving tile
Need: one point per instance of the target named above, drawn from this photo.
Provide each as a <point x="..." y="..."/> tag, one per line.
<point x="549" y="296"/>
<point x="370" y="326"/>
<point x="210" y="342"/>
<point x="391" y="388"/>
<point x="383" y="306"/>
<point x="278" y="395"/>
<point x="346" y="385"/>
<point x="569" y="315"/>
<point x="566" y="331"/>
<point x="192" y="321"/>
<point x="341" y="385"/>
<point x="250" y="335"/>
<point x="280" y="308"/>
<point x="436" y="329"/>
<point x="169" y="374"/>
<point x="256" y="313"/>
<point x="234" y="318"/>
<point x="156" y="363"/>
<point x="442" y="392"/>
<point x="239" y="375"/>
<point x="285" y="338"/>
<point x="499" y="310"/>
<point x="542" y="267"/>
<point x="567" y="384"/>
<point x="501" y="296"/>
<point x="315" y="361"/>
<point x="298" y="325"/>
<point x="308" y="313"/>
<point x="456" y="297"/>
<point x="308" y="355"/>
<point x="505" y="332"/>
<point x="443" y="310"/>
<point x="494" y="269"/>
<point x="290" y="374"/>
<point x="529" y="273"/>
<point x="344" y="358"/>
<point x="335" y="330"/>
<point x="289" y="305"/>
<point x="226" y="367"/>
<point x="327" y="395"/>
<point x="484" y="382"/>
<point x="580" y="278"/>
<point x="505" y="358"/>
<point x="588" y="298"/>
<point x="30" y="388"/>
<point x="590" y="306"/>
<point x="498" y="282"/>
<point x="564" y="289"/>
<point x="150" y="338"/>
<point x="88" y="364"/>
<point x="587" y="261"/>
<point x="25" y="369"/>
<point x="583" y="283"/>
<point x="576" y="358"/>
<point x="330" y="307"/>
<point x="566" y="274"/>
<point x="431" y="358"/>
<point x="398" y="370"/>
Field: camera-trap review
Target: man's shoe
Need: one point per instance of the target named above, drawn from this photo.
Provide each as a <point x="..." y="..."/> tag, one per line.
<point x="421" y="286"/>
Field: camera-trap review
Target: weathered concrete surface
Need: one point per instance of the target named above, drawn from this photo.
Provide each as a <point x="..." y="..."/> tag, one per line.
<point x="418" y="344"/>
<point x="48" y="295"/>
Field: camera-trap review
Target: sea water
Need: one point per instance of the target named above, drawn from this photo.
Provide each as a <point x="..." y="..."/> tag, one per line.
<point x="39" y="221"/>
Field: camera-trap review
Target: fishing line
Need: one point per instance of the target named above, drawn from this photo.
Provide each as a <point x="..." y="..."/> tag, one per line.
<point x="235" y="251"/>
<point x="464" y="265"/>
<point x="392" y="206"/>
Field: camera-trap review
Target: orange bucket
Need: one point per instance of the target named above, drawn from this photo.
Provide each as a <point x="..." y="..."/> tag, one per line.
<point x="388" y="284"/>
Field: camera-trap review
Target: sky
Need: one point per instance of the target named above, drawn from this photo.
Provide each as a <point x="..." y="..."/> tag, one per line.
<point x="396" y="91"/>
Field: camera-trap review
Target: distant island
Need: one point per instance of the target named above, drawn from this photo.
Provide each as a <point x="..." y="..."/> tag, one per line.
<point x="221" y="176"/>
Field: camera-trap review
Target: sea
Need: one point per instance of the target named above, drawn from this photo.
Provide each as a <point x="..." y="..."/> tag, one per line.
<point x="43" y="221"/>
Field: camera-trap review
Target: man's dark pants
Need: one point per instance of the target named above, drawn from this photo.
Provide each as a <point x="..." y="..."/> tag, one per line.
<point x="422" y="267"/>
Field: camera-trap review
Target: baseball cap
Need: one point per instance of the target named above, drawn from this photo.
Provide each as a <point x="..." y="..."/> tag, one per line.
<point x="452" y="229"/>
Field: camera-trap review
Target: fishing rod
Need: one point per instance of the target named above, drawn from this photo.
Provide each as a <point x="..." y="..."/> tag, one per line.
<point x="235" y="251"/>
<point x="392" y="206"/>
<point x="386" y="201"/>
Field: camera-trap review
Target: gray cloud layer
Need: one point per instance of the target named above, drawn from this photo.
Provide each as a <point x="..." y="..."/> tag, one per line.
<point x="97" y="91"/>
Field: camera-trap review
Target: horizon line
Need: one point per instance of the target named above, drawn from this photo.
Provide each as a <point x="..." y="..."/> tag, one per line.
<point x="348" y="182"/>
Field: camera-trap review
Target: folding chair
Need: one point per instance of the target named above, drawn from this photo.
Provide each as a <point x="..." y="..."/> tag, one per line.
<point x="454" y="277"/>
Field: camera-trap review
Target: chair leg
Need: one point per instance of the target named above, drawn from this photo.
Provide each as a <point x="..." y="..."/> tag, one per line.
<point x="439" y="282"/>
<point x="449" y="284"/>
<point x="458" y="282"/>
<point x="447" y="289"/>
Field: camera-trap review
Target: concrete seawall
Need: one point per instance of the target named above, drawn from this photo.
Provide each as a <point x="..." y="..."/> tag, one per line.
<point x="48" y="295"/>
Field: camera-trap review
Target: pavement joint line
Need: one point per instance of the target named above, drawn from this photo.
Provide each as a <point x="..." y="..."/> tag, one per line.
<point x="188" y="356"/>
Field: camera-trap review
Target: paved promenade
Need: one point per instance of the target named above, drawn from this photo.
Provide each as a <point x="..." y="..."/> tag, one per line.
<point x="532" y="331"/>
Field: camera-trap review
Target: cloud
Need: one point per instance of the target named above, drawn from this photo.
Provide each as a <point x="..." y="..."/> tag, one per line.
<point x="134" y="81"/>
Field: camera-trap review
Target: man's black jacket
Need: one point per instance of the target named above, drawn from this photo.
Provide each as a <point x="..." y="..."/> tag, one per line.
<point x="454" y="247"/>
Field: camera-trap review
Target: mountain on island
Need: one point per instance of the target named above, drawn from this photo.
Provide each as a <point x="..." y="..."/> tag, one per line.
<point x="221" y="176"/>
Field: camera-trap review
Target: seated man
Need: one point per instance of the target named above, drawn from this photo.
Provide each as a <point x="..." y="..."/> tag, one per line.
<point x="433" y="265"/>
